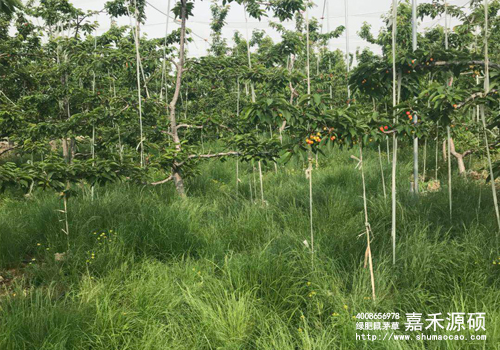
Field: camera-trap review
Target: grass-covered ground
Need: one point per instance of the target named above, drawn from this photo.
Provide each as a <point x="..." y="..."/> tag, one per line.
<point x="147" y="270"/>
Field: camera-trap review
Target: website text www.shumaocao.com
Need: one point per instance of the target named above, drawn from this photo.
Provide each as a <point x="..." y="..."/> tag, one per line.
<point x="388" y="326"/>
<point x="392" y="336"/>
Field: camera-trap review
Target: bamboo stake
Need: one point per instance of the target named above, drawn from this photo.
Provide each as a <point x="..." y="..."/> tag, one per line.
<point x="93" y="123"/>
<point x="309" y="169"/>
<point x="483" y="118"/>
<point x="448" y="133"/>
<point x="415" y="117"/>
<point x="388" y="150"/>
<point x="425" y="159"/>
<point x="445" y="25"/>
<point x="367" y="224"/>
<point x="261" y="183"/>
<point x="414" y="24"/>
<point x="248" y="55"/>
<point x="307" y="52"/>
<point x="66" y="221"/>
<point x="347" y="57"/>
<point x="449" y="171"/>
<point x="138" y="77"/>
<point x="492" y="174"/>
<point x="254" y="180"/>
<point x="328" y="43"/>
<point x="238" y="115"/>
<point x="120" y="147"/>
<point x="309" y="176"/>
<point x="382" y="171"/>
<point x="250" y="187"/>
<point x="163" y="68"/>
<point x="437" y="150"/>
<point x="394" y="138"/>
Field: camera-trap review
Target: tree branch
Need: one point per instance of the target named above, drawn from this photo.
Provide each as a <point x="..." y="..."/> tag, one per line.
<point x="189" y="126"/>
<point x="7" y="150"/>
<point x="162" y="181"/>
<point x="166" y="132"/>
<point x="456" y="63"/>
<point x="214" y="155"/>
<point x="173" y="62"/>
<point x="455" y="153"/>
<point x="8" y="99"/>
<point x="474" y="96"/>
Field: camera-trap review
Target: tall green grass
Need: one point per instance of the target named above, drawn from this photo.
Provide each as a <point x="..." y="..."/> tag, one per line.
<point x="148" y="270"/>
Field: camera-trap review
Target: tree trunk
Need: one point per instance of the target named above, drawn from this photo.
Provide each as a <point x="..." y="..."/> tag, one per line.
<point x="178" y="181"/>
<point x="68" y="146"/>
<point x="461" y="165"/>
<point x="460" y="157"/>
<point x="65" y="148"/>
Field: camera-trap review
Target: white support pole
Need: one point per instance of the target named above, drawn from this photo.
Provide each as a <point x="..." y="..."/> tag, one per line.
<point x="138" y="77"/>
<point x="309" y="168"/>
<point x="394" y="138"/>
<point x="483" y="118"/>
<point x="347" y="57"/>
<point x="308" y="68"/>
<point x="414" y="24"/>
<point x="328" y="46"/>
<point x="415" y="117"/>
<point x="449" y="172"/>
<point x="445" y="24"/>
<point x="164" y="79"/>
